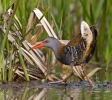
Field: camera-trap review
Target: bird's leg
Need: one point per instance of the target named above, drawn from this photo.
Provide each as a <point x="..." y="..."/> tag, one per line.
<point x="68" y="77"/>
<point x="72" y="73"/>
<point x="65" y="79"/>
<point x="90" y="82"/>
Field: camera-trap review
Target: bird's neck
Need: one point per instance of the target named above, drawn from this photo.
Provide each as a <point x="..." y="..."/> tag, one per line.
<point x="55" y="50"/>
<point x="58" y="49"/>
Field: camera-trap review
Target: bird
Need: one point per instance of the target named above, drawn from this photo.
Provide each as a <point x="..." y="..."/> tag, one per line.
<point x="78" y="51"/>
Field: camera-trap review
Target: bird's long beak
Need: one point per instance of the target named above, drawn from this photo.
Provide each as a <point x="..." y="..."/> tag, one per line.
<point x="38" y="46"/>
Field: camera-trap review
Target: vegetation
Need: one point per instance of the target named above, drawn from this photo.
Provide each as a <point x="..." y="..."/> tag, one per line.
<point x="65" y="18"/>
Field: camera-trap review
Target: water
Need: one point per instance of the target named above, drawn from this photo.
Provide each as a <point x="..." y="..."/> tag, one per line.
<point x="80" y="94"/>
<point x="35" y="90"/>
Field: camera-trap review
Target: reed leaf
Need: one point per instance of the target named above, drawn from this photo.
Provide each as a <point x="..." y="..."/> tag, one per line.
<point x="45" y="23"/>
<point x="23" y="65"/>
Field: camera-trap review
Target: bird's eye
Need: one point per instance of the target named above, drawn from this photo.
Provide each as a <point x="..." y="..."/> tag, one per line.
<point x="46" y="41"/>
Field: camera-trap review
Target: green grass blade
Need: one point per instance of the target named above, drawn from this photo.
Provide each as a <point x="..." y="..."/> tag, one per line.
<point x="98" y="10"/>
<point x="23" y="65"/>
<point x="6" y="34"/>
<point x="23" y="17"/>
<point x="2" y="65"/>
<point x="24" y="92"/>
<point x="10" y="71"/>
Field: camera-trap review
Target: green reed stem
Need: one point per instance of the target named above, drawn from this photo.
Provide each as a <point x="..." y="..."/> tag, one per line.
<point x="6" y="34"/>
<point x="23" y="65"/>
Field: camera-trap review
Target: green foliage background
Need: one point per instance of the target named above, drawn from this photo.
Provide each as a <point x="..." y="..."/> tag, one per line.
<point x="66" y="16"/>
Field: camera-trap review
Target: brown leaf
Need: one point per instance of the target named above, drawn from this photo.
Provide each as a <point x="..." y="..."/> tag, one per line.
<point x="93" y="72"/>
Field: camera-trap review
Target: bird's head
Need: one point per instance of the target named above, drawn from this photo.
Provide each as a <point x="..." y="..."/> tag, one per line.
<point x="48" y="42"/>
<point x="51" y="43"/>
<point x="86" y="32"/>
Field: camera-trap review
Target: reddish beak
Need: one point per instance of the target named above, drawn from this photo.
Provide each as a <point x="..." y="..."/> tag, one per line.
<point x="38" y="46"/>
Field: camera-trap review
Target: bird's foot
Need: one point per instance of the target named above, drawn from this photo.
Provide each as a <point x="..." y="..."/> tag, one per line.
<point x="60" y="81"/>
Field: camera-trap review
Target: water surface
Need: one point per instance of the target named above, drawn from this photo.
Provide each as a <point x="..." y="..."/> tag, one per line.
<point x="35" y="90"/>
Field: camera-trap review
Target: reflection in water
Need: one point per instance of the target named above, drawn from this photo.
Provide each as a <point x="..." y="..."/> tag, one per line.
<point x="39" y="94"/>
<point x="36" y="91"/>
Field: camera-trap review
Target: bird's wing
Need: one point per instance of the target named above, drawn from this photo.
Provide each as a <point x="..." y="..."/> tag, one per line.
<point x="75" y="41"/>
